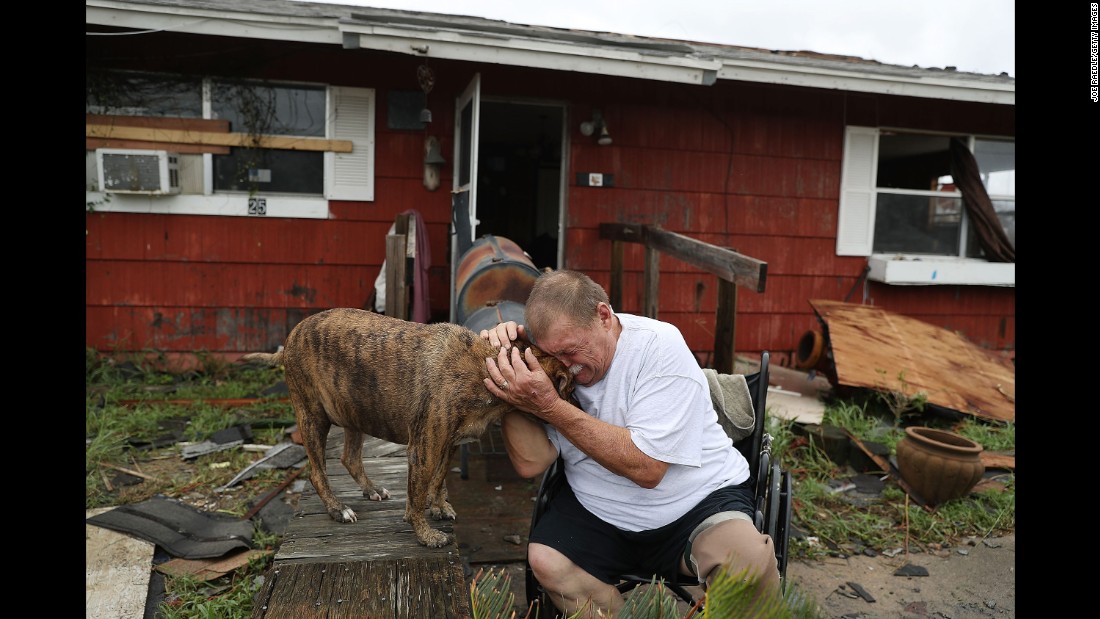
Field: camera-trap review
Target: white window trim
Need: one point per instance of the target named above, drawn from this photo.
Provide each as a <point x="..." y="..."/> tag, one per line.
<point x="922" y="270"/>
<point x="856" y="227"/>
<point x="348" y="176"/>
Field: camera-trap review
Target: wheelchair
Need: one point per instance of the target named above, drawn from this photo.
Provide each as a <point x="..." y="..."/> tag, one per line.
<point x="773" y="501"/>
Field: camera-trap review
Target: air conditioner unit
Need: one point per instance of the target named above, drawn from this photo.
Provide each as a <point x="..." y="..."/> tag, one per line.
<point x="123" y="170"/>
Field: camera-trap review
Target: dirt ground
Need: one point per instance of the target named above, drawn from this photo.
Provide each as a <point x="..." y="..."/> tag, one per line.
<point x="967" y="582"/>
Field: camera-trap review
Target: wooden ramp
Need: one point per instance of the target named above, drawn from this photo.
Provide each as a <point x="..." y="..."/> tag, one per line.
<point x="370" y="569"/>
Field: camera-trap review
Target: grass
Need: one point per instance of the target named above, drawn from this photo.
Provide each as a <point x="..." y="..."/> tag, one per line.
<point x="832" y="522"/>
<point x="827" y="522"/>
<point x="117" y="430"/>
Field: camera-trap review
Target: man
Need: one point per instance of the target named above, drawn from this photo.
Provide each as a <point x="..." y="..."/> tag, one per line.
<point x="647" y="463"/>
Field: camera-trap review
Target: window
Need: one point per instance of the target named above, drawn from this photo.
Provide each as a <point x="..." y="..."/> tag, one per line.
<point x="259" y="109"/>
<point x="292" y="179"/>
<point x="898" y="198"/>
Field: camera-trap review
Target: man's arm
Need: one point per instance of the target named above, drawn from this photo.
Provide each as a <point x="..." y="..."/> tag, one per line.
<point x="530" y="389"/>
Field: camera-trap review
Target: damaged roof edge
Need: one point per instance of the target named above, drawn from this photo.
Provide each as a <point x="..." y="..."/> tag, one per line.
<point x="480" y="40"/>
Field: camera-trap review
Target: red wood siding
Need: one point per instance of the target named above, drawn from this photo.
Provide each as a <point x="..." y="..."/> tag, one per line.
<point x="746" y="166"/>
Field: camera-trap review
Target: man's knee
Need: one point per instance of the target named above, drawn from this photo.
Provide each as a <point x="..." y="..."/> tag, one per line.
<point x="736" y="543"/>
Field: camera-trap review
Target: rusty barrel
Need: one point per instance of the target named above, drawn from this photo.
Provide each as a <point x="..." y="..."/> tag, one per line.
<point x="493" y="270"/>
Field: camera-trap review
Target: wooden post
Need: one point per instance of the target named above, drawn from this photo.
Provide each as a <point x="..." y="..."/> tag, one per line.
<point x="725" y="327"/>
<point x="652" y="280"/>
<point x="616" y="293"/>
<point x="397" y="293"/>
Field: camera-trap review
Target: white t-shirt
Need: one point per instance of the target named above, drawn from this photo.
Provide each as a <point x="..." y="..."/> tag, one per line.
<point x="656" y="389"/>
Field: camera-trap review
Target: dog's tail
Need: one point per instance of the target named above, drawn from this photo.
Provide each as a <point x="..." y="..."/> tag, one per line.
<point x="268" y="358"/>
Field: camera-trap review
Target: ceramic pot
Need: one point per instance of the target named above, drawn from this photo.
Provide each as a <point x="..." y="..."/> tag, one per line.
<point x="939" y="465"/>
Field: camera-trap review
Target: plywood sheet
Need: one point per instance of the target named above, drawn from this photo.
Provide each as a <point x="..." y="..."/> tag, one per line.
<point x="877" y="349"/>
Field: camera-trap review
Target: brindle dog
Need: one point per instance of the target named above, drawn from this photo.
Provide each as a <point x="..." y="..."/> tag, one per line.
<point x="405" y="382"/>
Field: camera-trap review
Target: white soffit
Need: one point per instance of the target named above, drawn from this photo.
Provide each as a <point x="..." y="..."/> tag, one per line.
<point x="865" y="81"/>
<point x="216" y="23"/>
<point x="536" y="53"/>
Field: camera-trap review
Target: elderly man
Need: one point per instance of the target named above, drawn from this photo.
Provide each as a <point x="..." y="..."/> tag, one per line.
<point x="655" y="485"/>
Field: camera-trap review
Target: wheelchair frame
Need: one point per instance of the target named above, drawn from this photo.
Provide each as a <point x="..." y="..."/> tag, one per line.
<point x="773" y="499"/>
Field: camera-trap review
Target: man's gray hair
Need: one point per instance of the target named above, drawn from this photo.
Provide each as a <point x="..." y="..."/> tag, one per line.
<point x="562" y="295"/>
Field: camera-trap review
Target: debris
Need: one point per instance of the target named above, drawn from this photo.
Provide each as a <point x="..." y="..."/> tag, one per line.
<point x="911" y="570"/>
<point x="842" y="488"/>
<point x="513" y="539"/>
<point x="861" y="591"/>
<point x="209" y="569"/>
<point x="128" y="471"/>
<point x="190" y="452"/>
<point x="280" y="456"/>
<point x="893" y="552"/>
<point x="177" y="527"/>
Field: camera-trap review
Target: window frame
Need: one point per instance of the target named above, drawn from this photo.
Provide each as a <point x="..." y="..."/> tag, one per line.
<point x="351" y="115"/>
<point x="856" y="222"/>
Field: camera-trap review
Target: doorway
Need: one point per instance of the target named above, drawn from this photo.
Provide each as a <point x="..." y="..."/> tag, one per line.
<point x="519" y="176"/>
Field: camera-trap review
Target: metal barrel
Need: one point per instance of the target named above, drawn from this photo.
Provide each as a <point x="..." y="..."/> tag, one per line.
<point x="495" y="269"/>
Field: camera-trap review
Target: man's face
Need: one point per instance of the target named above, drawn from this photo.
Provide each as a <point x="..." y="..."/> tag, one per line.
<point x="586" y="350"/>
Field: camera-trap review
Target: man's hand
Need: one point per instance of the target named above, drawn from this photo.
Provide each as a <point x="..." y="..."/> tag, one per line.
<point x="504" y="334"/>
<point x="518" y="379"/>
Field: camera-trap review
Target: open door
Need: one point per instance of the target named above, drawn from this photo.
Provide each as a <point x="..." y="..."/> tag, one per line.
<point x="464" y="192"/>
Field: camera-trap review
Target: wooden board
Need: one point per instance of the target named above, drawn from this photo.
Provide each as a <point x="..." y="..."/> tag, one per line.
<point x="876" y="349"/>
<point x="413" y="588"/>
<point x="374" y="567"/>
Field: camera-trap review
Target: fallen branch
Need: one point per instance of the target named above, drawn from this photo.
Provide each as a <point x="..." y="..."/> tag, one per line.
<point x="128" y="471"/>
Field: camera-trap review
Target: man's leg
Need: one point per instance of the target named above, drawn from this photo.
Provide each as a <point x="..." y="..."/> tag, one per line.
<point x="570" y="587"/>
<point x="737" y="541"/>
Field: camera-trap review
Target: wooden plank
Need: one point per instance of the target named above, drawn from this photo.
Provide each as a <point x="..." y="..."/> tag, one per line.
<point x="412" y="588"/>
<point x="993" y="460"/>
<point x="374" y="567"/>
<point x="153" y="134"/>
<point x="725" y="263"/>
<point x="880" y="350"/>
<point x="183" y="149"/>
<point x="175" y="123"/>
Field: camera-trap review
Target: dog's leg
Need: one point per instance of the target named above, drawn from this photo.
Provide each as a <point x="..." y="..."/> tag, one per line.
<point x="353" y="462"/>
<point x="440" y="507"/>
<point x="422" y="466"/>
<point x="314" y="424"/>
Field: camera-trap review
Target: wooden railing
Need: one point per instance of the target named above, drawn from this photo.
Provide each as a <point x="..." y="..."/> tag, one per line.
<point x="731" y="268"/>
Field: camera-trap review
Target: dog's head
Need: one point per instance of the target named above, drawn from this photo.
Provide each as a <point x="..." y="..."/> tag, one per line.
<point x="556" y="370"/>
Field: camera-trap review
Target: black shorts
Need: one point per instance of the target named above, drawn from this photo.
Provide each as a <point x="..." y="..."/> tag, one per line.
<point x="607" y="552"/>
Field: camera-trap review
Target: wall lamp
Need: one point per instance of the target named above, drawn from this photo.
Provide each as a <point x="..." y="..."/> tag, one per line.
<point x="433" y="162"/>
<point x="596" y="126"/>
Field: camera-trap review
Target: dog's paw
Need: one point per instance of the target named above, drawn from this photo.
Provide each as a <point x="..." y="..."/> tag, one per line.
<point x="343" y="514"/>
<point x="435" y="539"/>
<point x="446" y="512"/>
<point x="377" y="494"/>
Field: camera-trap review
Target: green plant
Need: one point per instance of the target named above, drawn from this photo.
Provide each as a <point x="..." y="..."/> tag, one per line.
<point x="901" y="401"/>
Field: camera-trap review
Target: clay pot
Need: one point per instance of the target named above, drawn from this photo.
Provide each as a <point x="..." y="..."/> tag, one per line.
<point x="939" y="465"/>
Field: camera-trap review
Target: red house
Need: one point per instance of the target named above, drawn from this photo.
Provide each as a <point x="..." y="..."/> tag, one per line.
<point x="246" y="159"/>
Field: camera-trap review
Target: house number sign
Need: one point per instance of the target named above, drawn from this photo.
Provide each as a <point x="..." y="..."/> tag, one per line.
<point x="257" y="206"/>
